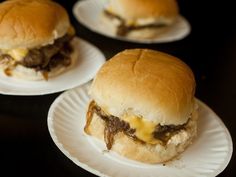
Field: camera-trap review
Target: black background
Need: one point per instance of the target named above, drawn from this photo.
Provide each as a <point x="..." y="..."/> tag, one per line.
<point x="210" y="50"/>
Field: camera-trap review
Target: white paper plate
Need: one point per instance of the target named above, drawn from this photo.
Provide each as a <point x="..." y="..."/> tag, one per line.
<point x="87" y="12"/>
<point x="207" y="156"/>
<point x="89" y="61"/>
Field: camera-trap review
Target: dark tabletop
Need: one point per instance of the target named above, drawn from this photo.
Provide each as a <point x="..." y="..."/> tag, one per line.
<point x="210" y="50"/>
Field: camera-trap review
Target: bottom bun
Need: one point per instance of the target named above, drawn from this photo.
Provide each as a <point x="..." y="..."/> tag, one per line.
<point x="145" y="33"/>
<point x="24" y="73"/>
<point x="144" y="152"/>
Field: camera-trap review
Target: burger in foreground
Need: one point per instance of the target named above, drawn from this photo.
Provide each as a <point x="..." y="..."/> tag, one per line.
<point x="140" y="18"/>
<point x="35" y="39"/>
<point x="143" y="105"/>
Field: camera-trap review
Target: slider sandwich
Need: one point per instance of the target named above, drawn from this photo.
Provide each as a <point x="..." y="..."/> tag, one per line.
<point x="35" y="39"/>
<point x="140" y="19"/>
<point x="142" y="106"/>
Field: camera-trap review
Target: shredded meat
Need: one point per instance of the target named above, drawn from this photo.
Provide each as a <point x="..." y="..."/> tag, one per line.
<point x="47" y="57"/>
<point x="165" y="132"/>
<point x="114" y="125"/>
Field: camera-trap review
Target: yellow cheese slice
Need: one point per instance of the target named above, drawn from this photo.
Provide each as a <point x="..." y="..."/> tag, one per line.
<point x="144" y="128"/>
<point x="18" y="54"/>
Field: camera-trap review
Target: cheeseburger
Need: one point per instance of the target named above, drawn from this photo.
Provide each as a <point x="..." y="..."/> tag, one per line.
<point x="140" y="18"/>
<point x="143" y="105"/>
<point x="35" y="39"/>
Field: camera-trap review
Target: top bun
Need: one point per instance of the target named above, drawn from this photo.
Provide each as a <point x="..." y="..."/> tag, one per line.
<point x="31" y="23"/>
<point x="148" y="84"/>
<point x="144" y="11"/>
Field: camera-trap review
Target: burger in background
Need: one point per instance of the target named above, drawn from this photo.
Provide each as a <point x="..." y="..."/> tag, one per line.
<point x="143" y="105"/>
<point x="140" y="19"/>
<point x="35" y="39"/>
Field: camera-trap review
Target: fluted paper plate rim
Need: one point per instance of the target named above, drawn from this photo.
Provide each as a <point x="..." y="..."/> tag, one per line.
<point x="60" y="125"/>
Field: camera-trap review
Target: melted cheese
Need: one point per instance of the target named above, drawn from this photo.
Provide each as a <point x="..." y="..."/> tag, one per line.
<point x="144" y="128"/>
<point x="17" y="54"/>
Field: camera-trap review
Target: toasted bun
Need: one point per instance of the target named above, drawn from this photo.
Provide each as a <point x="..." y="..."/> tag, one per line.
<point x="147" y="153"/>
<point x="157" y="11"/>
<point x="145" y="83"/>
<point x="31" y="23"/>
<point x="24" y="73"/>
